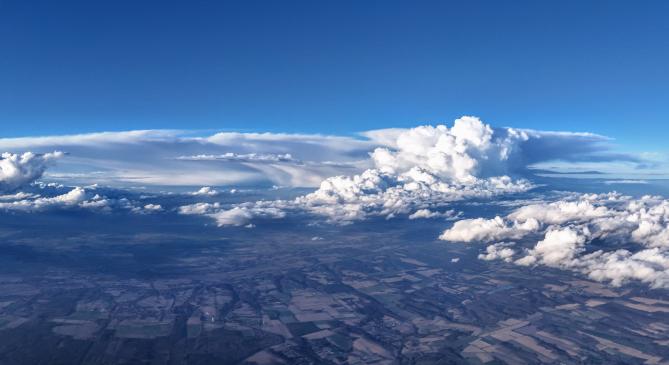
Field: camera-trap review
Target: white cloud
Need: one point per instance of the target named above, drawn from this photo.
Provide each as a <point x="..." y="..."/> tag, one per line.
<point x="414" y="172"/>
<point x="153" y="207"/>
<point x="569" y="227"/>
<point x="428" y="167"/>
<point x="463" y="153"/>
<point x="558" y="247"/>
<point x="200" y="208"/>
<point x="650" y="266"/>
<point x="17" y="196"/>
<point x="427" y="214"/>
<point x="431" y="167"/>
<point x="54" y="197"/>
<point x="242" y="215"/>
<point x="34" y="203"/>
<point x="499" y="251"/>
<point x="560" y="212"/>
<point x="485" y="230"/>
<point x="167" y="157"/>
<point x="206" y="191"/>
<point x="248" y="157"/>
<point x="17" y="170"/>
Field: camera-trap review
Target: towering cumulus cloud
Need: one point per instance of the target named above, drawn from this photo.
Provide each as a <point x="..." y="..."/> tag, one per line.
<point x="462" y="154"/>
<point x="562" y="234"/>
<point x="421" y="168"/>
<point x="467" y="151"/>
<point x="17" y="170"/>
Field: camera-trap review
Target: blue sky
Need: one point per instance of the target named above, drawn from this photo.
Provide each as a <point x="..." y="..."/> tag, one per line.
<point x="335" y="67"/>
<point x="181" y="87"/>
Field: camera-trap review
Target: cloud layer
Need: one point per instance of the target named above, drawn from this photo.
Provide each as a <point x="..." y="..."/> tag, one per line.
<point x="414" y="173"/>
<point x="174" y="158"/>
<point x="426" y="168"/>
<point x="178" y="158"/>
<point x="568" y="232"/>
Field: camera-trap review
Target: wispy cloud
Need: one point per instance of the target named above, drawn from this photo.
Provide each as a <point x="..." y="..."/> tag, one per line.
<point x="173" y="157"/>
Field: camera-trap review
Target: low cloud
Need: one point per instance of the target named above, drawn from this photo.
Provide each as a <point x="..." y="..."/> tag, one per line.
<point x="206" y="191"/>
<point x="71" y="198"/>
<point x="484" y="230"/>
<point x="569" y="228"/>
<point x="18" y="170"/>
<point x="55" y="197"/>
<point x="429" y="214"/>
<point x="414" y="171"/>
<point x="499" y="251"/>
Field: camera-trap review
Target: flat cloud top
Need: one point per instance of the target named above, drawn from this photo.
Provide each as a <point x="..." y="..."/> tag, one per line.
<point x="417" y="173"/>
<point x="177" y="158"/>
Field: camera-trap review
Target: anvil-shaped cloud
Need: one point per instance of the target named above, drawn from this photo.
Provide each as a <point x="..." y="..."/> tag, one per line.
<point x="423" y="168"/>
<point x="417" y="173"/>
<point x="177" y="158"/>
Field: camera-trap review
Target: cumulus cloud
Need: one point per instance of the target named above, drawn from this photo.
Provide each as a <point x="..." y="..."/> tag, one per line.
<point x="199" y="208"/>
<point x="469" y="149"/>
<point x="428" y="167"/>
<point x="463" y="153"/>
<point x="499" y="251"/>
<point x="558" y="247"/>
<point x="18" y="170"/>
<point x="152" y="208"/>
<point x="413" y="172"/>
<point x="242" y="215"/>
<point x="206" y="191"/>
<point x="530" y="151"/>
<point x="17" y="196"/>
<point x="56" y="197"/>
<point x="650" y="266"/>
<point x="428" y="214"/>
<point x="560" y="212"/>
<point x="34" y="203"/>
<point x="418" y="169"/>
<point x="569" y="228"/>
<point x="480" y="229"/>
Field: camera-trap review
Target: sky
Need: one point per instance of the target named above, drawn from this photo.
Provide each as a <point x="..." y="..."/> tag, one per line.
<point x="335" y="67"/>
<point x="340" y="112"/>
